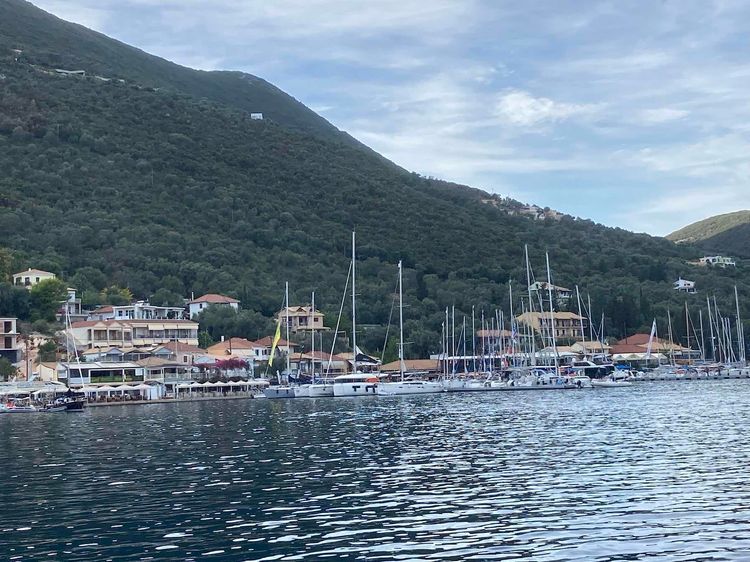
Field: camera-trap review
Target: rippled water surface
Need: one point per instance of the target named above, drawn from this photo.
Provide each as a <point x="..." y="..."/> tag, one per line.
<point x="656" y="471"/>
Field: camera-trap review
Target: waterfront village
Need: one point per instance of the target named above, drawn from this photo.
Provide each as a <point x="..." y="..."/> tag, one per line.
<point x="138" y="351"/>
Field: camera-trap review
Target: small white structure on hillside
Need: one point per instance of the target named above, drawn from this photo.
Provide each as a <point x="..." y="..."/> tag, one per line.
<point x="256" y="116"/>
<point x="719" y="261"/>
<point x="685" y="286"/>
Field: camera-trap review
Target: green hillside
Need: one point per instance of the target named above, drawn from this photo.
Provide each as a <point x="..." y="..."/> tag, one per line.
<point x="727" y="234"/>
<point x="160" y="182"/>
<point x="50" y="42"/>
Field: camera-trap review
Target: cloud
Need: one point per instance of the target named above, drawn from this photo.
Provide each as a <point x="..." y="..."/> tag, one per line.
<point x="662" y="115"/>
<point x="521" y="108"/>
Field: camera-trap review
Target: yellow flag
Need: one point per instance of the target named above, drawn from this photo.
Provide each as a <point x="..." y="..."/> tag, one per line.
<point x="276" y="338"/>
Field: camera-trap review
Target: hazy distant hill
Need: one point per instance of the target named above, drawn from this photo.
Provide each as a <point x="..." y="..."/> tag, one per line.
<point x="155" y="178"/>
<point x="728" y="234"/>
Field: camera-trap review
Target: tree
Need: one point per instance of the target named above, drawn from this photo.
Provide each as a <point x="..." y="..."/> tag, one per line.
<point x="205" y="340"/>
<point x="14" y="301"/>
<point x="117" y="296"/>
<point x="7" y="370"/>
<point x="46" y="298"/>
<point x="47" y="351"/>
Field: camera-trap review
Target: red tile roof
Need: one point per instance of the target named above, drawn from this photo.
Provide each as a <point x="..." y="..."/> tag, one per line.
<point x="268" y="342"/>
<point x="213" y="298"/>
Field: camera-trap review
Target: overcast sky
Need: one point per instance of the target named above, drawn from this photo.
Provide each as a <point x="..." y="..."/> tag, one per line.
<point x="634" y="114"/>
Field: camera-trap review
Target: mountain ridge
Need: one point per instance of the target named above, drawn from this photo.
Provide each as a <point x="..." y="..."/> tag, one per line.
<point x="728" y="233"/>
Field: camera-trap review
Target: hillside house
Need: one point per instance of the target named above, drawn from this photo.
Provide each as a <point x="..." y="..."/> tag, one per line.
<point x="195" y="306"/>
<point x="560" y="294"/>
<point x="31" y="277"/>
<point x="566" y="324"/>
<point x="685" y="286"/>
<point x="140" y="310"/>
<point x="718" y="261"/>
<point x="301" y="318"/>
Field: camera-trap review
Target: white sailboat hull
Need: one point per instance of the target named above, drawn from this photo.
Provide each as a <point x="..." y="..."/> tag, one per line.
<point x="279" y="392"/>
<point x="355" y="385"/>
<point x="302" y="391"/>
<point x="320" y="390"/>
<point x="408" y="387"/>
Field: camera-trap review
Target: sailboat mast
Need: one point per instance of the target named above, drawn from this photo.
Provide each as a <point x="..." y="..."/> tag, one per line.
<point x="740" y="331"/>
<point x="453" y="336"/>
<point x="312" y="347"/>
<point x="473" y="339"/>
<point x="288" y="358"/>
<point x="531" y="305"/>
<point x="354" y="301"/>
<point x="671" y="340"/>
<point x="711" y="329"/>
<point x="703" y="340"/>
<point x="400" y="322"/>
<point x="551" y="314"/>
<point x="687" y="325"/>
<point x="580" y="316"/>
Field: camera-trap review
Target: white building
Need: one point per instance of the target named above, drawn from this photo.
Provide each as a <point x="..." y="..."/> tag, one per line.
<point x="9" y="340"/>
<point x="197" y="305"/>
<point x="31" y="277"/>
<point x="256" y="116"/>
<point x="560" y="293"/>
<point x="131" y="333"/>
<point x="684" y="285"/>
<point x="719" y="261"/>
<point x="140" y="310"/>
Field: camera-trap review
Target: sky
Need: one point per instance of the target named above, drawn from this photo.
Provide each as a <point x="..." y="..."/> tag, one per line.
<point x="634" y="114"/>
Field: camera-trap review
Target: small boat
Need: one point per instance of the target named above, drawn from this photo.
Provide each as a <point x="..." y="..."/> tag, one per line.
<point x="14" y="408"/>
<point x="53" y="407"/>
<point x="610" y="382"/>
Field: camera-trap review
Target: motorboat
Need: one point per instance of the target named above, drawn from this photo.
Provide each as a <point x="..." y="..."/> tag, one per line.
<point x="610" y="382"/>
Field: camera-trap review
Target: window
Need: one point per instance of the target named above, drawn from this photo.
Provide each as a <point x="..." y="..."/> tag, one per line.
<point x="8" y="343"/>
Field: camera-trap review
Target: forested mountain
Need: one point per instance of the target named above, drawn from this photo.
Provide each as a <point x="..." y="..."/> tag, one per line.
<point x="150" y="176"/>
<point x="724" y="234"/>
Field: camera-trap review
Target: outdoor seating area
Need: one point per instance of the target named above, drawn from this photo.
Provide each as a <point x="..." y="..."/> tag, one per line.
<point x="220" y="388"/>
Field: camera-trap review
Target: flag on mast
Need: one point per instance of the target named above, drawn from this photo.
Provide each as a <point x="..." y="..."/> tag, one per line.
<point x="651" y="339"/>
<point x="276" y="338"/>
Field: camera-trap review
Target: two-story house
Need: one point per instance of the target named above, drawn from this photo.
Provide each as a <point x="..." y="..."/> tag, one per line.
<point x="195" y="306"/>
<point x="301" y="318"/>
<point x="31" y="277"/>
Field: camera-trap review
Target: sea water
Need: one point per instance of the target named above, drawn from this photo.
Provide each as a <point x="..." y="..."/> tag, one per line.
<point x="653" y="471"/>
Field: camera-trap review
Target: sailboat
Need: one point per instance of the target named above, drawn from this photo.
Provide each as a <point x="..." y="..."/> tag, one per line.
<point x="281" y="391"/>
<point x="320" y="387"/>
<point x="415" y="386"/>
<point x="355" y="383"/>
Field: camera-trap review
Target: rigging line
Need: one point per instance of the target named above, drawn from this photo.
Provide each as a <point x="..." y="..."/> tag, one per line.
<point x="388" y="326"/>
<point x="338" y="322"/>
